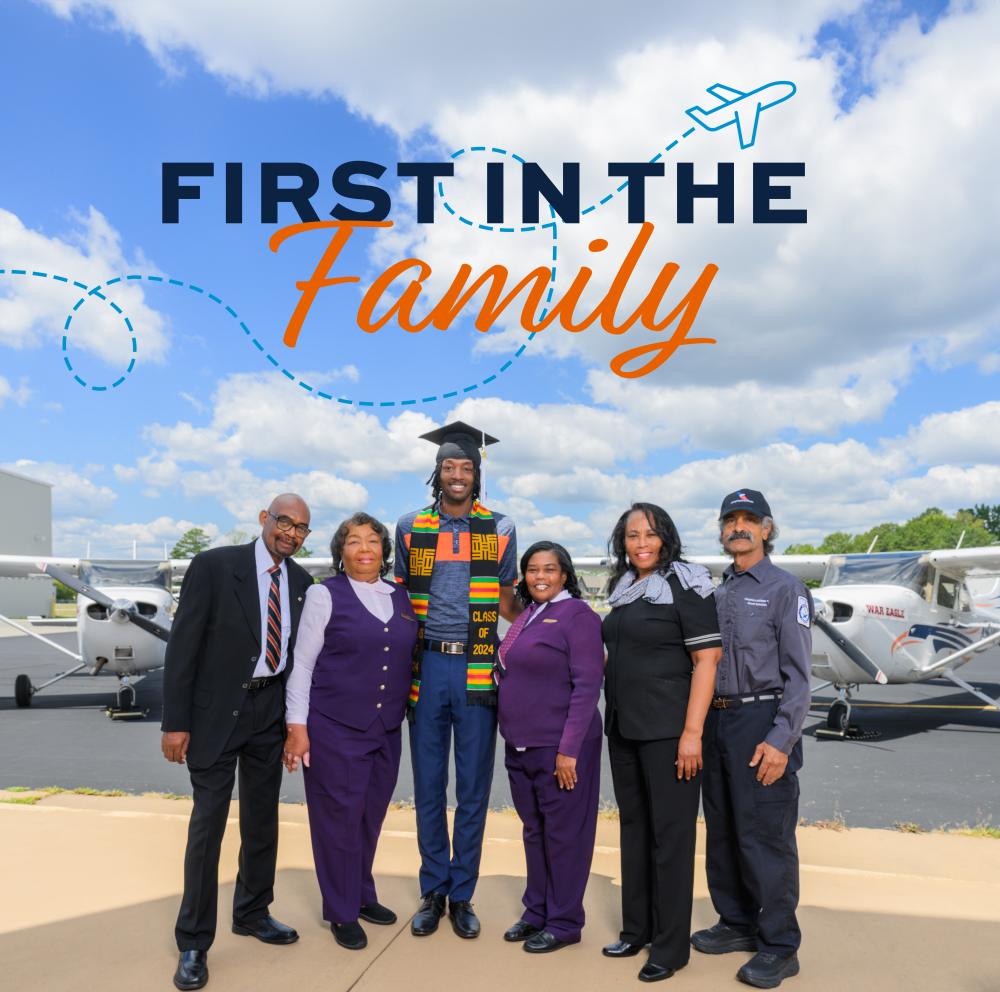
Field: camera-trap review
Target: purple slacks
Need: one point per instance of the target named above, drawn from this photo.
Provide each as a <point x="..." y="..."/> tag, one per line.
<point x="559" y="830"/>
<point x="349" y="783"/>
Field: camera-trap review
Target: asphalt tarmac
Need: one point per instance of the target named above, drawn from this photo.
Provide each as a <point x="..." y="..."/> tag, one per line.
<point x="934" y="763"/>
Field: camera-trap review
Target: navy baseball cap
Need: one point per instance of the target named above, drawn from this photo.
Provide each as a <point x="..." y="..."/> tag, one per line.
<point x="746" y="499"/>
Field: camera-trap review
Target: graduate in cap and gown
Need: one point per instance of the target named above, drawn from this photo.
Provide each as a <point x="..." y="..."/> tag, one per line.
<point x="458" y="561"/>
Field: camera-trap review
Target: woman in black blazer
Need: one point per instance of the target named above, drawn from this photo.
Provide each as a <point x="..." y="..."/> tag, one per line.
<point x="663" y="643"/>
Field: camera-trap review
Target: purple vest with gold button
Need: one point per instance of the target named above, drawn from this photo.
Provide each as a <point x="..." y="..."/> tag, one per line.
<point x="363" y="670"/>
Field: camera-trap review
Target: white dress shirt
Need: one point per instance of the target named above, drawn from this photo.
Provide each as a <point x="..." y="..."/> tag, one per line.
<point x="375" y="597"/>
<point x="264" y="562"/>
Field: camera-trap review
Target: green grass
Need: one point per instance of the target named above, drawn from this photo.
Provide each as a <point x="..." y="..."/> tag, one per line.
<point x="908" y="828"/>
<point x="164" y="795"/>
<point x="18" y="788"/>
<point x="22" y="800"/>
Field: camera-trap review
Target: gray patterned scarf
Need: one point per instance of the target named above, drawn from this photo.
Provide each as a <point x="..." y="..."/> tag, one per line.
<point x="655" y="588"/>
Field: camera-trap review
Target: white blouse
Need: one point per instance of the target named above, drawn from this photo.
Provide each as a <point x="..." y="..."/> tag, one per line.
<point x="376" y="597"/>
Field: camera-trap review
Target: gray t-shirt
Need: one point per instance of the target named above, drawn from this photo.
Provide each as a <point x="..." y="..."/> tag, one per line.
<point x="448" y="604"/>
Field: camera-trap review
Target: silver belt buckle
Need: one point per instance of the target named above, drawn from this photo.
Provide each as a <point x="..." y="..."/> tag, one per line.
<point x="452" y="647"/>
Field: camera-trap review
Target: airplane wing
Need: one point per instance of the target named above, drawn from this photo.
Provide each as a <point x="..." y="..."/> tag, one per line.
<point x="725" y="93"/>
<point x="965" y="561"/>
<point x="26" y="566"/>
<point x="809" y="568"/>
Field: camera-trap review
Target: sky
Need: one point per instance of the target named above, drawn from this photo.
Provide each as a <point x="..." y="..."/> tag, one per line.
<point x="854" y="372"/>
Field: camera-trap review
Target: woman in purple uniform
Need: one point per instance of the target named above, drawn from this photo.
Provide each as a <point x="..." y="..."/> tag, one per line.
<point x="345" y="703"/>
<point x="549" y="673"/>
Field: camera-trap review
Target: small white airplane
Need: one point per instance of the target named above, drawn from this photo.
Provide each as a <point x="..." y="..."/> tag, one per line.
<point x="896" y="617"/>
<point x="124" y="609"/>
<point x="743" y="109"/>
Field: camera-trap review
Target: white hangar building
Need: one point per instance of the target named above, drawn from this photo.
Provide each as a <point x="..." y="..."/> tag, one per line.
<point x="25" y="529"/>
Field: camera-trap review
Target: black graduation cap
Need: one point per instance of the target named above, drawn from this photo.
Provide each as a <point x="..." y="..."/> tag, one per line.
<point x="459" y="440"/>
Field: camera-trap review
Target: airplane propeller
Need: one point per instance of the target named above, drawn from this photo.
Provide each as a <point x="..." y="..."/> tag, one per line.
<point x="851" y="650"/>
<point x="122" y="608"/>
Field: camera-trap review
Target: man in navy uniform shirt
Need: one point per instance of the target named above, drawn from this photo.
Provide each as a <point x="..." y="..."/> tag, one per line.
<point x="753" y="749"/>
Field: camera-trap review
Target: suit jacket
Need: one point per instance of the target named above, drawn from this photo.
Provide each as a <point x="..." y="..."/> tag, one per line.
<point x="550" y="692"/>
<point x="214" y="646"/>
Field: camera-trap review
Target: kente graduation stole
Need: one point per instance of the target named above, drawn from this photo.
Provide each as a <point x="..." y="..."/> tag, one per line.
<point x="484" y="597"/>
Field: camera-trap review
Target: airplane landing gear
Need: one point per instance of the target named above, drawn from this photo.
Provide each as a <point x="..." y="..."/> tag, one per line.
<point x="126" y="707"/>
<point x="838" y="721"/>
<point x="23" y="690"/>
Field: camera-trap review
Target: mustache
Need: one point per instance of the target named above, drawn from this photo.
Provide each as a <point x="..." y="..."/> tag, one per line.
<point x="740" y="535"/>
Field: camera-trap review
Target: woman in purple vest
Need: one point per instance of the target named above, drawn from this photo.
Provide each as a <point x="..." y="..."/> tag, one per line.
<point x="549" y="674"/>
<point x="346" y="699"/>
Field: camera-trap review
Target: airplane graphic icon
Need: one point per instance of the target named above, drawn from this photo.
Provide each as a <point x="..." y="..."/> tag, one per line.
<point x="743" y="108"/>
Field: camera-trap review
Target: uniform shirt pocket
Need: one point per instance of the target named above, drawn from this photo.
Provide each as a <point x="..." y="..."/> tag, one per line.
<point x="202" y="698"/>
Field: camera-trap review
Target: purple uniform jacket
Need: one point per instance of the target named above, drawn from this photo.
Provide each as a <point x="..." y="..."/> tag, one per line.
<point x="364" y="668"/>
<point x="554" y="673"/>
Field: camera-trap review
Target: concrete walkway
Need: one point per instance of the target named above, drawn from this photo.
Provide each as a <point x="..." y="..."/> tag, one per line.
<point x="91" y="889"/>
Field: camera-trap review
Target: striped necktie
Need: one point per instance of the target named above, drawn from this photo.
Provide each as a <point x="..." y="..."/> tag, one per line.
<point x="273" y="653"/>
<point x="512" y="633"/>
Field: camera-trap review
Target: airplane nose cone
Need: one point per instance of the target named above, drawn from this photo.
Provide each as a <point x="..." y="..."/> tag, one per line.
<point x="121" y="609"/>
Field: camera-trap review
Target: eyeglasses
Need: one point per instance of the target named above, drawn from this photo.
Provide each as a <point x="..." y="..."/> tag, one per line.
<point x="287" y="524"/>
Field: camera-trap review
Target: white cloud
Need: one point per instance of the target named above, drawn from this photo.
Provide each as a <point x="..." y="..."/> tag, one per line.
<point x="74" y="494"/>
<point x="443" y="54"/>
<point x="72" y="536"/>
<point x="20" y="396"/>
<point x="33" y="310"/>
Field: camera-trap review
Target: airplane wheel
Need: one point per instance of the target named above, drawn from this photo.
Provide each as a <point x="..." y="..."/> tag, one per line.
<point x="839" y="717"/>
<point x="22" y="690"/>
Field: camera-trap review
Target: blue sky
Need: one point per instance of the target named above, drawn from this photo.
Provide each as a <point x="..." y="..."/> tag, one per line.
<point x="854" y="376"/>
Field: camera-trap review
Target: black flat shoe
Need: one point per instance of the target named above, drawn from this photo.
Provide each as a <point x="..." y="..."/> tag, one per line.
<point x="429" y="915"/>
<point x="520" y="931"/>
<point x="377" y="913"/>
<point x="192" y="970"/>
<point x="267" y="929"/>
<point x="463" y="921"/>
<point x="654" y="973"/>
<point x="350" y="935"/>
<point x="543" y="942"/>
<point x="766" y="971"/>
<point x="622" y="949"/>
<point x="721" y="939"/>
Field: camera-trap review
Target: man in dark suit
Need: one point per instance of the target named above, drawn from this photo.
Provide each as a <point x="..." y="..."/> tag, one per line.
<point x="230" y="650"/>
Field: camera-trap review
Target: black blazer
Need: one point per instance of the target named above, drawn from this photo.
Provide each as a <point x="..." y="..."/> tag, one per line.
<point x="647" y="680"/>
<point x="214" y="646"/>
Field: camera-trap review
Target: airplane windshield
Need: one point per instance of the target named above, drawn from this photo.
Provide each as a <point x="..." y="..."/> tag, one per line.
<point x="125" y="573"/>
<point x="907" y="569"/>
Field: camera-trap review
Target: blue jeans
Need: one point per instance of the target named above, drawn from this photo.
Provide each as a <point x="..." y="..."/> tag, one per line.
<point x="441" y="709"/>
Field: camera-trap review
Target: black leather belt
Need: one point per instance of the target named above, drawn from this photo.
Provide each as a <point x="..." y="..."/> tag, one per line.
<point x="735" y="702"/>
<point x="445" y="647"/>
<point x="264" y="682"/>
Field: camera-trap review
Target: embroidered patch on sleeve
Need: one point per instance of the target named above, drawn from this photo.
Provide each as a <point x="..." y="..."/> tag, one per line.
<point x="803" y="613"/>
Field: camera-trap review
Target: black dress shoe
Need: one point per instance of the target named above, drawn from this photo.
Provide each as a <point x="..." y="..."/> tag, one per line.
<point x="650" y="972"/>
<point x="192" y="970"/>
<point x="721" y="939"/>
<point x="766" y="971"/>
<point x="377" y="913"/>
<point x="463" y="921"/>
<point x="543" y="942"/>
<point x="350" y="935"/>
<point x="429" y="915"/>
<point x="622" y="949"/>
<point x="267" y="929"/>
<point x="520" y="931"/>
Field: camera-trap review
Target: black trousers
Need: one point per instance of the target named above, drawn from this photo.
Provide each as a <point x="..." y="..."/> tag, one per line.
<point x="751" y="857"/>
<point x="256" y="745"/>
<point x="659" y="815"/>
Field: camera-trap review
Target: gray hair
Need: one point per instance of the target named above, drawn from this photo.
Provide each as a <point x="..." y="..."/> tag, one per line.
<point x="772" y="536"/>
